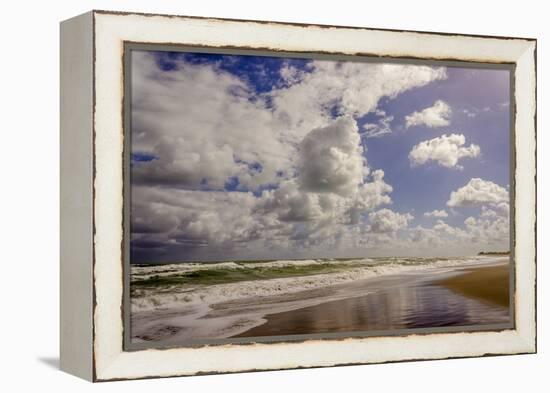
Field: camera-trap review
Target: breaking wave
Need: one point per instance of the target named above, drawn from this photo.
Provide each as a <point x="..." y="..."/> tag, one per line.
<point x="197" y="286"/>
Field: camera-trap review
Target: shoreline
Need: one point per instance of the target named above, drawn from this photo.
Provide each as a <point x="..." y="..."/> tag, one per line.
<point x="187" y="285"/>
<point x="395" y="299"/>
<point x="374" y="312"/>
<point x="490" y="284"/>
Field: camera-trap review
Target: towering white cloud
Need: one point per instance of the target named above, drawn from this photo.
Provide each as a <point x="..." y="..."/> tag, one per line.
<point x="301" y="177"/>
<point x="332" y="159"/>
<point x="446" y="150"/>
<point x="204" y="125"/>
<point x="437" y="115"/>
<point x="501" y="209"/>
<point x="370" y="195"/>
<point x="289" y="203"/>
<point x="333" y="181"/>
<point x="478" y="192"/>
<point x="388" y="221"/>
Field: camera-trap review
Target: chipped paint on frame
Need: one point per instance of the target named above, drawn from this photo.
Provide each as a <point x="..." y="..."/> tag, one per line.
<point x="126" y="195"/>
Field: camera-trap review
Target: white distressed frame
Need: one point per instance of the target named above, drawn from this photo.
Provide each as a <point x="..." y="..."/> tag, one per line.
<point x="111" y="30"/>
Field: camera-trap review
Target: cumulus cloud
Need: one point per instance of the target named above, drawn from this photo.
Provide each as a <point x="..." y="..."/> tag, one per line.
<point x="446" y="150"/>
<point x="332" y="159"/>
<point x="289" y="203"/>
<point x="478" y="192"/>
<point x="442" y="228"/>
<point x="223" y="170"/>
<point x="202" y="127"/>
<point x="221" y="167"/>
<point x="205" y="126"/>
<point x="437" y="115"/>
<point x="482" y="233"/>
<point x="436" y="213"/>
<point x="291" y="75"/>
<point x="501" y="209"/>
<point x="295" y="214"/>
<point x="424" y="237"/>
<point x="338" y="199"/>
<point x="168" y="221"/>
<point x="488" y="231"/>
<point x="351" y="88"/>
<point x="370" y="195"/>
<point x="388" y="221"/>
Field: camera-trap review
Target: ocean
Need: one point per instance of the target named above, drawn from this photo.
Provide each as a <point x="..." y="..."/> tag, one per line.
<point x="200" y="301"/>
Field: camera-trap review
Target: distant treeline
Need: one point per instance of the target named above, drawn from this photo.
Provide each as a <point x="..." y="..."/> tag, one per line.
<point x="494" y="253"/>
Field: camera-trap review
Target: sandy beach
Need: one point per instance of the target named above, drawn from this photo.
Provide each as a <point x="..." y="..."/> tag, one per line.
<point x="487" y="284"/>
<point x="435" y="294"/>
<point x="474" y="296"/>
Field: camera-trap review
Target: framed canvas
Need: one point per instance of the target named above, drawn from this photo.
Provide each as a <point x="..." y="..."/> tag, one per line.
<point x="246" y="195"/>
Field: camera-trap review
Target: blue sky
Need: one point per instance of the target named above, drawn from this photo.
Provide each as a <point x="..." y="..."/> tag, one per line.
<point x="470" y="89"/>
<point x="250" y="157"/>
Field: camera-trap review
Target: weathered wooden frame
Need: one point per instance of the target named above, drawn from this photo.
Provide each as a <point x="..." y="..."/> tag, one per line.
<point x="92" y="145"/>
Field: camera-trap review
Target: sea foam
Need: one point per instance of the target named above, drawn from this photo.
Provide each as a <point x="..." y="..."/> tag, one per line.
<point x="200" y="296"/>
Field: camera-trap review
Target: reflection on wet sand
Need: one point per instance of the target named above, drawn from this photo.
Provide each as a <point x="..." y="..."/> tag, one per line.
<point x="412" y="304"/>
<point x="472" y="294"/>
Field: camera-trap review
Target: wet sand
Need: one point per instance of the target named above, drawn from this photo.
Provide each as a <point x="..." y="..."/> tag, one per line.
<point x="490" y="284"/>
<point x="471" y="296"/>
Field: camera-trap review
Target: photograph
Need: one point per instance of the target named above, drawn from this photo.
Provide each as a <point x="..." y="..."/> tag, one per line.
<point x="281" y="196"/>
<point x="274" y="197"/>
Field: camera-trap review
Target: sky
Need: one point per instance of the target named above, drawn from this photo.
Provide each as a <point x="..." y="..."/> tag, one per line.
<point x="238" y="157"/>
